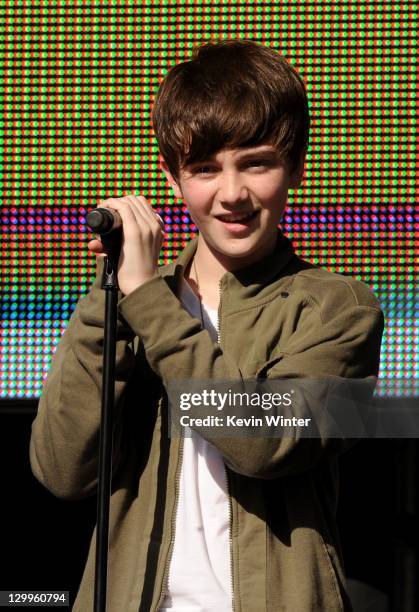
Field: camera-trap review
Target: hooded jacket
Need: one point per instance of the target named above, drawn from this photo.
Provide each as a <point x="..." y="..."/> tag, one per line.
<point x="281" y="317"/>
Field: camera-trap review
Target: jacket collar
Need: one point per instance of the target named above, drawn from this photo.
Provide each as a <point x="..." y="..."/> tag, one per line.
<point x="247" y="281"/>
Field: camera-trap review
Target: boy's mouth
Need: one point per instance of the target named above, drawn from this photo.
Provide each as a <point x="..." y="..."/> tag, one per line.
<point x="242" y="218"/>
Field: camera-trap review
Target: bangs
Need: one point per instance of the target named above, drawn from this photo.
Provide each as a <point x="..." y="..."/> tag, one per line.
<point x="231" y="123"/>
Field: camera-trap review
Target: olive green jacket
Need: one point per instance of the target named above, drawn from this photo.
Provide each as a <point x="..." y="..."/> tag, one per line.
<point x="281" y="317"/>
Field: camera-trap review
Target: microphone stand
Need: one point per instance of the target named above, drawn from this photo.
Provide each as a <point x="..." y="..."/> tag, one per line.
<point x="112" y="242"/>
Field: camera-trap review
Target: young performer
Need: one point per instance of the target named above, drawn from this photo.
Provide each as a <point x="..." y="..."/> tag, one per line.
<point x="205" y="523"/>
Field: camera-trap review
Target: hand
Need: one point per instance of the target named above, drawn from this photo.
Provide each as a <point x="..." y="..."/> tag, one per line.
<point x="142" y="238"/>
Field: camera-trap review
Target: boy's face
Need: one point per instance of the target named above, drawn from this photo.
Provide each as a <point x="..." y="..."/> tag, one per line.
<point x="236" y="199"/>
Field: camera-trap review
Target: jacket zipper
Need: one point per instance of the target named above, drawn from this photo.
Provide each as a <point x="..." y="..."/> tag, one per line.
<point x="230" y="538"/>
<point x="173" y="522"/>
<point x="230" y="525"/>
<point x="165" y="582"/>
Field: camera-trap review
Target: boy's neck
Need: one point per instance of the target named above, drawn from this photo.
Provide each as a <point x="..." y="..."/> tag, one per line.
<point x="207" y="267"/>
<point x="203" y="274"/>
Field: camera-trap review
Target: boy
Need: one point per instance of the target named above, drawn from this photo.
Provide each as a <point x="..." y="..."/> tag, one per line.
<point x="204" y="523"/>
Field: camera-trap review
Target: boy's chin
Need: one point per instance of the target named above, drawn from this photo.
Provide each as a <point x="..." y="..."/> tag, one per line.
<point x="240" y="248"/>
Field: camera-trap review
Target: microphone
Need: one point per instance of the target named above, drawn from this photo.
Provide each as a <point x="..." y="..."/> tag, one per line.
<point x="106" y="220"/>
<point x="103" y="220"/>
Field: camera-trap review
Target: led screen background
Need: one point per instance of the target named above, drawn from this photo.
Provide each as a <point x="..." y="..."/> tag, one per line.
<point x="78" y="85"/>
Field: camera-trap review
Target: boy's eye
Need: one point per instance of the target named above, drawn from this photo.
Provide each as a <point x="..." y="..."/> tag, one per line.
<point x="255" y="162"/>
<point x="202" y="169"/>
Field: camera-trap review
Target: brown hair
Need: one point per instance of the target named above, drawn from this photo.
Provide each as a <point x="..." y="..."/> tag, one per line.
<point x="231" y="94"/>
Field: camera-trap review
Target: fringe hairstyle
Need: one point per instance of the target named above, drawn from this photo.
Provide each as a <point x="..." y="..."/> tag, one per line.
<point x="231" y="94"/>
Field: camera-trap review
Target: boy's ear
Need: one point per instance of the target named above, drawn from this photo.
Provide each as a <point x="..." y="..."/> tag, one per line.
<point x="176" y="189"/>
<point x="297" y="176"/>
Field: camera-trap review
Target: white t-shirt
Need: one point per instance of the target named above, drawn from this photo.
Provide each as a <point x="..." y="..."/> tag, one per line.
<point x="200" y="569"/>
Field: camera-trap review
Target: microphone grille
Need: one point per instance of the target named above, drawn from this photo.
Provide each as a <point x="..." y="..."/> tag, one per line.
<point x="100" y="220"/>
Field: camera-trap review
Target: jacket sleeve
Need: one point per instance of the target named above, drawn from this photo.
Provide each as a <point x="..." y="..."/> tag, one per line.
<point x="340" y="338"/>
<point x="64" y="444"/>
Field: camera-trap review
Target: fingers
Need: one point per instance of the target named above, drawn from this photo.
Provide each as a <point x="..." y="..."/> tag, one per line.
<point x="97" y="247"/>
<point x="129" y="219"/>
<point x="138" y="207"/>
<point x="134" y="211"/>
<point x="144" y="209"/>
<point x="141" y="226"/>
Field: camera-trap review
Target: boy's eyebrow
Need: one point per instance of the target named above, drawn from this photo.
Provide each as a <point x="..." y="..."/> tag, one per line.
<point x="267" y="150"/>
<point x="262" y="151"/>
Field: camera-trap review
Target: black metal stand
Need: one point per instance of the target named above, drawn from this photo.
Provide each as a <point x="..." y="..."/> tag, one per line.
<point x="112" y="242"/>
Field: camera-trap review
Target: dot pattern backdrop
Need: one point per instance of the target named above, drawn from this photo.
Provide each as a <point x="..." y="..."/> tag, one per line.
<point x="79" y="80"/>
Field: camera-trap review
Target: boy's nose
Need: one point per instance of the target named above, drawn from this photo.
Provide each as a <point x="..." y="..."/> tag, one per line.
<point x="231" y="189"/>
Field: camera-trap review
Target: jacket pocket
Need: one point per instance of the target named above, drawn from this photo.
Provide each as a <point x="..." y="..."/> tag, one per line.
<point x="303" y="568"/>
<point x="329" y="553"/>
